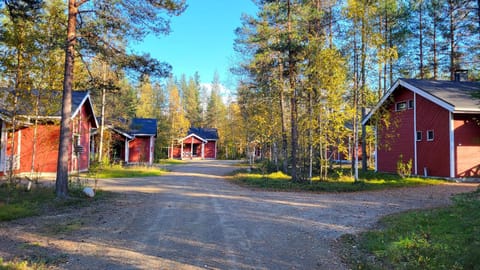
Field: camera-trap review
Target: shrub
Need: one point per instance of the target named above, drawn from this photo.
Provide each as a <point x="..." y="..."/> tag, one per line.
<point x="404" y="169"/>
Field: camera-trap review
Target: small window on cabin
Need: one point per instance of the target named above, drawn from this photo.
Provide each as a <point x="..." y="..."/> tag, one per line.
<point x="76" y="139"/>
<point x="419" y="136"/>
<point x="430" y="135"/>
<point x="410" y="104"/>
<point x="400" y="106"/>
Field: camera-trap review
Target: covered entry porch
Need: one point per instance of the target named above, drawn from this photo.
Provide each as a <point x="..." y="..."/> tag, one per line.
<point x="192" y="147"/>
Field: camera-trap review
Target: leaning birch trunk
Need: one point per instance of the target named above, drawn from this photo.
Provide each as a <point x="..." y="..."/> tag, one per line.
<point x="61" y="183"/>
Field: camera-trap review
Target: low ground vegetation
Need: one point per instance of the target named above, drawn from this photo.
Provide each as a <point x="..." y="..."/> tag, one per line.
<point x="444" y="238"/>
<point x="338" y="181"/>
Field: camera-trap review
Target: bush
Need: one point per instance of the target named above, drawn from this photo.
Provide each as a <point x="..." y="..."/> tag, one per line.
<point x="404" y="169"/>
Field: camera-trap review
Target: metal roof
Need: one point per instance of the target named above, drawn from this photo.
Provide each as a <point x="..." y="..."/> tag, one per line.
<point x="143" y="127"/>
<point x="454" y="96"/>
<point x="205" y="133"/>
<point x="462" y="96"/>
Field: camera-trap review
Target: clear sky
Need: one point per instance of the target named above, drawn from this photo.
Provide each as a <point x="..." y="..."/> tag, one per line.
<point x="201" y="39"/>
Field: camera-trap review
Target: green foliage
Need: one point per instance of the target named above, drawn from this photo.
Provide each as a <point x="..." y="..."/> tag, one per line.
<point x="127" y="172"/>
<point x="21" y="265"/>
<point x="404" y="169"/>
<point x="446" y="238"/>
<point x="337" y="182"/>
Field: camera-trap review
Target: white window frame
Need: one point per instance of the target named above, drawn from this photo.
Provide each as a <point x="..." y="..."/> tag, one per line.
<point x="397" y="104"/>
<point x="419" y="138"/>
<point x="432" y="137"/>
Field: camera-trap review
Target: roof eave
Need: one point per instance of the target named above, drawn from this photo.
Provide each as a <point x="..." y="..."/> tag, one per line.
<point x="449" y="107"/>
<point x="194" y="135"/>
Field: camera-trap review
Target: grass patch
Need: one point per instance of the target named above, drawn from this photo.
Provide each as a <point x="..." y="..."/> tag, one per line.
<point x="446" y="238"/>
<point x="171" y="162"/>
<point x="337" y="183"/>
<point x="23" y="203"/>
<point x="21" y="265"/>
<point x="126" y="172"/>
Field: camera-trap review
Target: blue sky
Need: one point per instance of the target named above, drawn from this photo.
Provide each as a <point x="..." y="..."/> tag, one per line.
<point x="201" y="39"/>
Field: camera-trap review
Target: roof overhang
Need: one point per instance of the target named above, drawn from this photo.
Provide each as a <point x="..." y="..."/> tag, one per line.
<point x="447" y="106"/>
<point x="123" y="133"/>
<point x="87" y="100"/>
<point x="196" y="136"/>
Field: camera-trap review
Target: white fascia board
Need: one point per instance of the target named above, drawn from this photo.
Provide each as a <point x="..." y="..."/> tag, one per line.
<point x="80" y="106"/>
<point x="85" y="99"/>
<point x="434" y="99"/>
<point x="128" y="136"/>
<point x="412" y="88"/>
<point x="194" y="135"/>
<point x="380" y="103"/>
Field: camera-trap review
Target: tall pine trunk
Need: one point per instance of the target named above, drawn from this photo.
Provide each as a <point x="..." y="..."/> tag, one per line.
<point x="61" y="184"/>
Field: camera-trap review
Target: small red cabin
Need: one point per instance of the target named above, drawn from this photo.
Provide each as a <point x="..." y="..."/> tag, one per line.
<point x="433" y="123"/>
<point x="137" y="144"/>
<point x="199" y="143"/>
<point x="34" y="147"/>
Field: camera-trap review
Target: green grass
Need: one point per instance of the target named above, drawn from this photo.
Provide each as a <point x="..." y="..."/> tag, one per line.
<point x="171" y="162"/>
<point x="126" y="172"/>
<point x="446" y="238"/>
<point x="337" y="183"/>
<point x="18" y="203"/>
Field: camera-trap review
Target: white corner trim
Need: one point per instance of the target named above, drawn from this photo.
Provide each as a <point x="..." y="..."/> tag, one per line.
<point x="452" y="144"/>
<point x="415" y="142"/>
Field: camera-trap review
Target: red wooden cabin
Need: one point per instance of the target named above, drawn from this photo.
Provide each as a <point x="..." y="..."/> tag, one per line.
<point x="199" y="143"/>
<point x="137" y="144"/>
<point x="35" y="147"/>
<point x="433" y="123"/>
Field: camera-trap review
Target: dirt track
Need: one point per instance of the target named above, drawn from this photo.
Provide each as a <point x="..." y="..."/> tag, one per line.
<point x="192" y="218"/>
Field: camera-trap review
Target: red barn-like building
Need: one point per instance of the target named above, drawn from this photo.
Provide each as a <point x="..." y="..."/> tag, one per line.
<point x="436" y="124"/>
<point x="199" y="143"/>
<point x="35" y="147"/>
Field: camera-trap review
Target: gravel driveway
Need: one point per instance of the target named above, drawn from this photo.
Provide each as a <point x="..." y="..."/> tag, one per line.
<point x="192" y="218"/>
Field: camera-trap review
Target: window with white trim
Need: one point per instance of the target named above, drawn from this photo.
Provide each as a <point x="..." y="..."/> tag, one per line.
<point x="430" y="135"/>
<point x="411" y="104"/>
<point x="400" y="106"/>
<point x="419" y="136"/>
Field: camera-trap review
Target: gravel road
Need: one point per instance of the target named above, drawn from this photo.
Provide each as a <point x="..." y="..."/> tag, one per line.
<point x="192" y="218"/>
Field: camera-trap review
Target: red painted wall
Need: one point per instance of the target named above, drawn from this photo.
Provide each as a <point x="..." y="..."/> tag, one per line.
<point x="139" y="149"/>
<point x="210" y="149"/>
<point x="397" y="138"/>
<point x="467" y="145"/>
<point x="47" y="145"/>
<point x="433" y="155"/>
<point x="176" y="151"/>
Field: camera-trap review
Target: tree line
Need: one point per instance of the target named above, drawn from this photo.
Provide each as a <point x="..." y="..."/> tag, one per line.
<point x="310" y="69"/>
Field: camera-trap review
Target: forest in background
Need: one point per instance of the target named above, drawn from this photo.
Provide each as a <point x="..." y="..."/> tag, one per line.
<point x="308" y="71"/>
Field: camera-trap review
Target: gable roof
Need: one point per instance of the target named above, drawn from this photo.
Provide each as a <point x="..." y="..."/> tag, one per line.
<point x="143" y="127"/>
<point x="50" y="105"/>
<point x="210" y="134"/>
<point x="454" y="96"/>
<point x="194" y="135"/>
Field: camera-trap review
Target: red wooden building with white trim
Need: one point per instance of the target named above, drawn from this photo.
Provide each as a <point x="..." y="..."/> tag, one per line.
<point x="137" y="144"/>
<point x="43" y="139"/>
<point x="433" y="123"/>
<point x="199" y="143"/>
